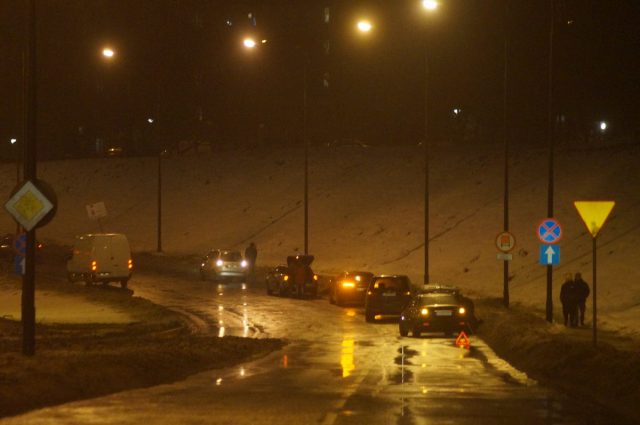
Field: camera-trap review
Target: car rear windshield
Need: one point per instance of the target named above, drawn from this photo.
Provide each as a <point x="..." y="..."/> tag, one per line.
<point x="231" y="256"/>
<point x="431" y="299"/>
<point x="390" y="284"/>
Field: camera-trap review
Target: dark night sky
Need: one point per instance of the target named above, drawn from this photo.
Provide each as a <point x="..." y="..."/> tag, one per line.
<point x="179" y="62"/>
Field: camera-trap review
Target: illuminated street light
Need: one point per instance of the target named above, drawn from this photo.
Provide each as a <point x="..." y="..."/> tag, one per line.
<point x="13" y="141"/>
<point x="430" y="4"/>
<point x="364" y="26"/>
<point x="603" y="126"/>
<point x="250" y="43"/>
<point x="108" y="53"/>
<point x="150" y="120"/>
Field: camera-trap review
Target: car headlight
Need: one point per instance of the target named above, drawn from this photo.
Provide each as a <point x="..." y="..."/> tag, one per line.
<point x="219" y="263"/>
<point x="348" y="285"/>
<point x="244" y="263"/>
<point x="285" y="277"/>
<point x="462" y="310"/>
<point x="424" y="311"/>
<point x="358" y="278"/>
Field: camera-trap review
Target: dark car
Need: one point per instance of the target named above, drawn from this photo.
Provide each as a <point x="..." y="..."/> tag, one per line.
<point x="387" y="297"/>
<point x="277" y="281"/>
<point x="8" y="247"/>
<point x="303" y="282"/>
<point x="435" y="312"/>
<point x="349" y="288"/>
<point x="223" y="264"/>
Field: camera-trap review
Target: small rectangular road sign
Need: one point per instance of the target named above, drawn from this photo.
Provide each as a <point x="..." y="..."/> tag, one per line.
<point x="549" y="255"/>
<point x="503" y="256"/>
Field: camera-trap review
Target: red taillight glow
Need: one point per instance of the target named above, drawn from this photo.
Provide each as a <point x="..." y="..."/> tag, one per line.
<point x="94" y="266"/>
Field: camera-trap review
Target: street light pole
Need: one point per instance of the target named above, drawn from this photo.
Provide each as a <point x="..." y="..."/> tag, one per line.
<point x="305" y="140"/>
<point x="505" y="135"/>
<point x="426" y="158"/>
<point x="159" y="247"/>
<point x="429" y="6"/>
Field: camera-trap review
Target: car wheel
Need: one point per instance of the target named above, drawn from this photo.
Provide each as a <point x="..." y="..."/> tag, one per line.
<point x="416" y="333"/>
<point x="403" y="331"/>
<point x="123" y="283"/>
<point x="269" y="291"/>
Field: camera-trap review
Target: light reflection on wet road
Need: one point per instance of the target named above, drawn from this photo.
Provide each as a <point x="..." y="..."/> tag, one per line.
<point x="336" y="370"/>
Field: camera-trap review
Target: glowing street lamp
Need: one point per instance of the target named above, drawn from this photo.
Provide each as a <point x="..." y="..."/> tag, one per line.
<point x="108" y="53"/>
<point x="364" y="26"/>
<point x="13" y="141"/>
<point x="603" y="126"/>
<point x="249" y="43"/>
<point x="430" y="4"/>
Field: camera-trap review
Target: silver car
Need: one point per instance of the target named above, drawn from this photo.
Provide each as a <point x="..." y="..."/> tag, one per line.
<point x="223" y="264"/>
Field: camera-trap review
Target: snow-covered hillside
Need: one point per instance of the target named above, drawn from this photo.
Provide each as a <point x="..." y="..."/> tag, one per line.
<point x="366" y="212"/>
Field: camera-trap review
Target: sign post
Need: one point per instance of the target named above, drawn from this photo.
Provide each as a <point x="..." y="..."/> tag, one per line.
<point x="549" y="232"/>
<point x="594" y="214"/>
<point x="505" y="242"/>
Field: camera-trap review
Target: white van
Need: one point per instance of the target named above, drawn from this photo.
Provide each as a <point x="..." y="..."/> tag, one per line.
<point x="103" y="257"/>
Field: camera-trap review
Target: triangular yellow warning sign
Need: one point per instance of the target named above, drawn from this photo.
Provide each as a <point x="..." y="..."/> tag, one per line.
<point x="594" y="214"/>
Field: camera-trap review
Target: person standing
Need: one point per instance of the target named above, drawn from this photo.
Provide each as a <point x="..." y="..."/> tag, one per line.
<point x="568" y="298"/>
<point x="251" y="254"/>
<point x="582" y="292"/>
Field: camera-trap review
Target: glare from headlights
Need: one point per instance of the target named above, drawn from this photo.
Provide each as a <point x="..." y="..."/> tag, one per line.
<point x="244" y="263"/>
<point x="462" y="310"/>
<point x="219" y="263"/>
<point x="358" y="278"/>
<point x="424" y="311"/>
<point x="286" y="277"/>
<point x="348" y="284"/>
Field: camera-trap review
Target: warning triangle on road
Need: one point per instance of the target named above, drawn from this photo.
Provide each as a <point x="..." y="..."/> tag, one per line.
<point x="463" y="340"/>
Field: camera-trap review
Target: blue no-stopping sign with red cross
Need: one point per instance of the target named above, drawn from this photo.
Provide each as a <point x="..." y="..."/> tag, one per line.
<point x="549" y="231"/>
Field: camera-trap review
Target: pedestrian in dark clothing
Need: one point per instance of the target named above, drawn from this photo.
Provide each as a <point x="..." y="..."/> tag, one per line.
<point x="251" y="254"/>
<point x="569" y="300"/>
<point x="582" y="291"/>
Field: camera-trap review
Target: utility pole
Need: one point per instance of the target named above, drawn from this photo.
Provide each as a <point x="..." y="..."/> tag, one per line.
<point x="550" y="137"/>
<point x="30" y="145"/>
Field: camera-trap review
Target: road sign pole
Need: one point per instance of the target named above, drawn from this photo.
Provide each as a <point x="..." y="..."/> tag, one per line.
<point x="28" y="285"/>
<point x="595" y="291"/>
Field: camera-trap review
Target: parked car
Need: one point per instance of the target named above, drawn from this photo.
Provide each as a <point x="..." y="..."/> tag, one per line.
<point x="387" y="296"/>
<point x="223" y="264"/>
<point x="277" y="280"/>
<point x="8" y="249"/>
<point x="302" y="280"/>
<point x="349" y="288"/>
<point x="101" y="257"/>
<point x="435" y="312"/>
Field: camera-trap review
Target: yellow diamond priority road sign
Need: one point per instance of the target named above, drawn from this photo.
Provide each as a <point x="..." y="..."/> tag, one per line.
<point x="28" y="206"/>
<point x="594" y="214"/>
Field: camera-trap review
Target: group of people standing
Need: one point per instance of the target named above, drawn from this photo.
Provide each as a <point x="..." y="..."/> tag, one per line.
<point x="573" y="296"/>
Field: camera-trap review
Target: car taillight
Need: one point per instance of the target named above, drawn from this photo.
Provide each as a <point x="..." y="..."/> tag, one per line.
<point x="94" y="266"/>
<point x="130" y="264"/>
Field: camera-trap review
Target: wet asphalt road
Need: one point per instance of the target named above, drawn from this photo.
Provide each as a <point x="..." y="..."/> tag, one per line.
<point x="336" y="369"/>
